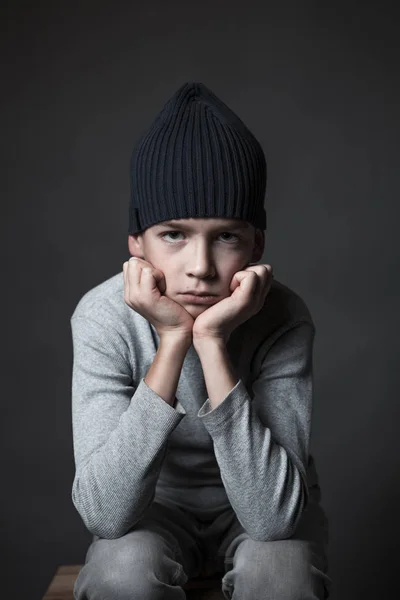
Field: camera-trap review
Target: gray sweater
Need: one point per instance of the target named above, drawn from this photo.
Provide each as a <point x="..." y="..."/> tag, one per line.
<point x="251" y="452"/>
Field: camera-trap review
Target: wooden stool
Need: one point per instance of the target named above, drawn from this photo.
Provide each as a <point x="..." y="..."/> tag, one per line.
<point x="62" y="585"/>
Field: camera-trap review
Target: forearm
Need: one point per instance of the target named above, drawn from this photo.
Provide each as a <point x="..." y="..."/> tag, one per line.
<point x="163" y="375"/>
<point x="261" y="440"/>
<point x="120" y="429"/>
<point x="115" y="484"/>
<point x="219" y="374"/>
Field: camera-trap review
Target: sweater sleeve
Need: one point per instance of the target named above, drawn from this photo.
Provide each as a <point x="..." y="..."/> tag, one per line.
<point x="262" y="443"/>
<point x="120" y="432"/>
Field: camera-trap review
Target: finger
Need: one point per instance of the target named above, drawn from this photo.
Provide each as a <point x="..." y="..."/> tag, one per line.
<point x="124" y="270"/>
<point x="126" y="282"/>
<point x="132" y="279"/>
<point x="247" y="280"/>
<point x="262" y="284"/>
<point x="149" y="280"/>
<point x="250" y="275"/>
<point x="270" y="270"/>
<point x="260" y="269"/>
<point x="268" y="276"/>
<point x="134" y="271"/>
<point x="160" y="279"/>
<point x="266" y="273"/>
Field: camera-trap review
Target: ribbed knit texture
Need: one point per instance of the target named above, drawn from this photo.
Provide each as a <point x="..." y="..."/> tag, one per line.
<point x="198" y="159"/>
<point x="251" y="452"/>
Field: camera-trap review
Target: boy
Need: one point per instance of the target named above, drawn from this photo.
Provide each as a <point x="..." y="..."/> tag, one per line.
<point x="192" y="416"/>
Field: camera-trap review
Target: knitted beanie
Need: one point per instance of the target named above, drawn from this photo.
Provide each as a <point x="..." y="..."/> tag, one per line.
<point x="198" y="159"/>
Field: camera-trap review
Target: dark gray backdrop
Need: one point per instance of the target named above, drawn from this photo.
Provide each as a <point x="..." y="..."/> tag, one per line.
<point x="318" y="85"/>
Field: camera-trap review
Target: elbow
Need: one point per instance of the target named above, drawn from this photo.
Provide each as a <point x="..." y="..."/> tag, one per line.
<point x="289" y="508"/>
<point x="295" y="509"/>
<point x="112" y="532"/>
<point x="94" y="521"/>
<point x="99" y="524"/>
<point x="99" y="519"/>
<point x="109" y="533"/>
<point x="97" y="528"/>
<point x="271" y="532"/>
<point x="292" y="499"/>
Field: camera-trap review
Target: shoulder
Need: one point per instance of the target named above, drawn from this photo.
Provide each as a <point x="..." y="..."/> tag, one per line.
<point x="285" y="307"/>
<point x="102" y="300"/>
<point x="104" y="304"/>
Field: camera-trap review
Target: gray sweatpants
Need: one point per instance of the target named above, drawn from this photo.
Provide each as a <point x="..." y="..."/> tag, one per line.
<point x="169" y="545"/>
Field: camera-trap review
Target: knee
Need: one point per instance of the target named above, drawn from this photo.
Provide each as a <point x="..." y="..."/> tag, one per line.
<point x="277" y="570"/>
<point x="122" y="571"/>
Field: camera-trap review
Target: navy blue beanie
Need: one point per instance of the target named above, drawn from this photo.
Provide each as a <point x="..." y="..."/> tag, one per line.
<point x="198" y="159"/>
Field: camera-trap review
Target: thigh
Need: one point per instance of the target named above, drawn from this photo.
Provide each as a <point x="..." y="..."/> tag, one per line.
<point x="159" y="545"/>
<point x="305" y="550"/>
<point x="175" y="526"/>
<point x="275" y="570"/>
<point x="312" y="528"/>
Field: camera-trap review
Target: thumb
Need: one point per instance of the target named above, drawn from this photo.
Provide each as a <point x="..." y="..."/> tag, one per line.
<point x="237" y="280"/>
<point x="160" y="280"/>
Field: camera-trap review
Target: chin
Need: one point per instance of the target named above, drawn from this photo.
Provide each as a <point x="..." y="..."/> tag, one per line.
<point x="193" y="309"/>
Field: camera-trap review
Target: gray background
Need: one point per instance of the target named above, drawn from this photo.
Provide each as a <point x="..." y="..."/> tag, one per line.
<point x="317" y="83"/>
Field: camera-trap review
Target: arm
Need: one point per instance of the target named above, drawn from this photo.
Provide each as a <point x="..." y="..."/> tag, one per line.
<point x="261" y="441"/>
<point x="120" y="429"/>
<point x="164" y="373"/>
<point x="219" y="374"/>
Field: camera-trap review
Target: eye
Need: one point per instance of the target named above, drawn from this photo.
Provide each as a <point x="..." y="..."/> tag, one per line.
<point x="230" y="234"/>
<point x="171" y="233"/>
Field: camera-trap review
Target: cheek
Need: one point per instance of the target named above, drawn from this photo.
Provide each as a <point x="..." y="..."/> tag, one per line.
<point x="234" y="267"/>
<point x="171" y="279"/>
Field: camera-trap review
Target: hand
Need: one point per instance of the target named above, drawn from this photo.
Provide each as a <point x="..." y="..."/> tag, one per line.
<point x="250" y="288"/>
<point x="144" y="287"/>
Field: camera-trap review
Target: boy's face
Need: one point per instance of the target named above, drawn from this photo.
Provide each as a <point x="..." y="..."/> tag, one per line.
<point x="198" y="254"/>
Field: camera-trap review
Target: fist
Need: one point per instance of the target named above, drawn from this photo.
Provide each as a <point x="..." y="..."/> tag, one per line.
<point x="144" y="288"/>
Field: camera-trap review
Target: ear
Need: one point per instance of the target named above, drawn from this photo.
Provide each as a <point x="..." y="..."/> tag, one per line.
<point x="259" y="244"/>
<point x="135" y="245"/>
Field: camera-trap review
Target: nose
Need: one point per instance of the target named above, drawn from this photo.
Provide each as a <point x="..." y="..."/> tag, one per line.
<point x="201" y="263"/>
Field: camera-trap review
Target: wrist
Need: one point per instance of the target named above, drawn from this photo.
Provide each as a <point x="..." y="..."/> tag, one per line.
<point x="205" y="341"/>
<point x="176" y="339"/>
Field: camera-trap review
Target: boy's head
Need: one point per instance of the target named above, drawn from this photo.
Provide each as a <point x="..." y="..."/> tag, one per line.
<point x="200" y="167"/>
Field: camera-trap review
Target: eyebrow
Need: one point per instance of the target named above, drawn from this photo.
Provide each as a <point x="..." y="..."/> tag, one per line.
<point x="232" y="226"/>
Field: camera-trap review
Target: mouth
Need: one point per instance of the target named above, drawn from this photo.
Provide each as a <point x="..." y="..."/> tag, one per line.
<point x="200" y="298"/>
<point x="193" y="293"/>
